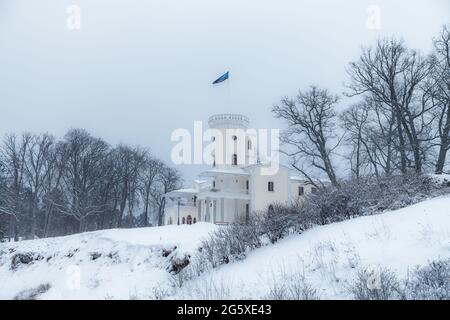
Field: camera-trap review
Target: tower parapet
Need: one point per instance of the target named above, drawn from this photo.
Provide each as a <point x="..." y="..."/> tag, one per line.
<point x="228" y="120"/>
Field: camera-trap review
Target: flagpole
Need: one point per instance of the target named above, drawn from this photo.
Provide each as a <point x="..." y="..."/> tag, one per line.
<point x="228" y="94"/>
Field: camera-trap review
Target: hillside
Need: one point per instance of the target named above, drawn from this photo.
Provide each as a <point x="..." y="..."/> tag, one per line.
<point x="134" y="264"/>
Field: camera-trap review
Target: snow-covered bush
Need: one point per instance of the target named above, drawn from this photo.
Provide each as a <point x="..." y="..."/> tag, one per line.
<point x="33" y="293"/>
<point x="280" y="221"/>
<point x="23" y="259"/>
<point x="353" y="198"/>
<point x="431" y="282"/>
<point x="292" y="286"/>
<point x="234" y="241"/>
<point x="368" y="196"/>
<point x="231" y="243"/>
<point x="372" y="284"/>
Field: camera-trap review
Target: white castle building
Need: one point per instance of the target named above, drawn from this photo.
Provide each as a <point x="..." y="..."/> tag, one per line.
<point x="231" y="190"/>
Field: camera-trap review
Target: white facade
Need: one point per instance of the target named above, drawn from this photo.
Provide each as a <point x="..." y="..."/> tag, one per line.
<point x="233" y="188"/>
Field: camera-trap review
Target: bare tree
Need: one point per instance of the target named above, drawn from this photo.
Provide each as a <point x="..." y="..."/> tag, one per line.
<point x="83" y="155"/>
<point x="168" y="180"/>
<point x="13" y="162"/>
<point x="128" y="162"/>
<point x="355" y="121"/>
<point x="441" y="94"/>
<point x="392" y="74"/>
<point x="148" y="178"/>
<point x="311" y="135"/>
<point x="38" y="165"/>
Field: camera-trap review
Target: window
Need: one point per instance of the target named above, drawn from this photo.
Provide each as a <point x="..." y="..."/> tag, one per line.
<point x="195" y="200"/>
<point x="247" y="184"/>
<point x="183" y="221"/>
<point x="249" y="144"/>
<point x="214" y="184"/>
<point x="189" y="219"/>
<point x="270" y="186"/>
<point x="301" y="191"/>
<point x="234" y="160"/>
<point x="247" y="208"/>
<point x="314" y="190"/>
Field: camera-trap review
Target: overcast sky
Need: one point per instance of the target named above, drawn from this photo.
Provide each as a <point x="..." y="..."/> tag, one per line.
<point x="138" y="69"/>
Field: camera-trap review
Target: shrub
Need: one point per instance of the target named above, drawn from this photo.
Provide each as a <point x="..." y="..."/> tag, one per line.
<point x="431" y="282"/>
<point x="232" y="242"/>
<point x="368" y="196"/>
<point x="24" y="258"/>
<point x="376" y="284"/>
<point x="292" y="287"/>
<point x="33" y="293"/>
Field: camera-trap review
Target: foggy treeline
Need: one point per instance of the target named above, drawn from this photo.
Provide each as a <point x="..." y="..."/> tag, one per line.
<point x="399" y="122"/>
<point x="51" y="187"/>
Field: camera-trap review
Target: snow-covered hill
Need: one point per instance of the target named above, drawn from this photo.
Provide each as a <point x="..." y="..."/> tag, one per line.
<point x="134" y="263"/>
<point x="117" y="264"/>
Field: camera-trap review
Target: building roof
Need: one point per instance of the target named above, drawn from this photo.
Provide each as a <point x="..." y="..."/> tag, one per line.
<point x="182" y="192"/>
<point x="224" y="194"/>
<point x="217" y="172"/>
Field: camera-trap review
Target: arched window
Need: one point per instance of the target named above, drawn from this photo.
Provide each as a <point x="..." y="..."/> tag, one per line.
<point x="189" y="219"/>
<point x="183" y="221"/>
<point x="234" y="160"/>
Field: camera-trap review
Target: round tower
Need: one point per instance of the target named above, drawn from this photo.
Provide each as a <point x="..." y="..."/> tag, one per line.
<point x="240" y="141"/>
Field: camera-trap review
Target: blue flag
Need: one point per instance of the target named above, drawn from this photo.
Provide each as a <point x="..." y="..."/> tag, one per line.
<point x="222" y="78"/>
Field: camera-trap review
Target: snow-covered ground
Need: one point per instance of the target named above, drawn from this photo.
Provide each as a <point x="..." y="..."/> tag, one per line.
<point x="124" y="264"/>
<point x="116" y="264"/>
<point x="329" y="256"/>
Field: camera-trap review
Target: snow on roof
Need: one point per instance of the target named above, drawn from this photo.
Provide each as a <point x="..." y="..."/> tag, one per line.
<point x="224" y="194"/>
<point x="215" y="172"/>
<point x="297" y="178"/>
<point x="181" y="192"/>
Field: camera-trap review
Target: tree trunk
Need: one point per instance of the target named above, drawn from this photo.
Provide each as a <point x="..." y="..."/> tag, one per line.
<point x="444" y="144"/>
<point x="401" y="140"/>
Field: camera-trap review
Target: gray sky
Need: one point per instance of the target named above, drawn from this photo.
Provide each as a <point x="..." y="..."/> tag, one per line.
<point x="137" y="70"/>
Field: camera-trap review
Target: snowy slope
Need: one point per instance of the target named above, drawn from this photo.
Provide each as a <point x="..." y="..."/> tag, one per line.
<point x="118" y="264"/>
<point x="329" y="256"/>
<point x="124" y="264"/>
